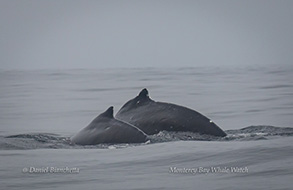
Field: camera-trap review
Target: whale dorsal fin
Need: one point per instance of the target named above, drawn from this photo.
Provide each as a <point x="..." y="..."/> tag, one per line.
<point x="108" y="113"/>
<point x="143" y="93"/>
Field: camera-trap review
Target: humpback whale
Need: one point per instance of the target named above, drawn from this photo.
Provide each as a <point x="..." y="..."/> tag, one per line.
<point x="106" y="129"/>
<point x="152" y="117"/>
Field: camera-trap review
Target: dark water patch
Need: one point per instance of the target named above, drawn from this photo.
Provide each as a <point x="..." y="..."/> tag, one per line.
<point x="112" y="89"/>
<point x="33" y="141"/>
<point x="278" y="71"/>
<point x="273" y="172"/>
<point x="277" y="86"/>
<point x="40" y="137"/>
<point x="99" y="89"/>
<point x="166" y="136"/>
<point x="59" y="75"/>
<point x="251" y="133"/>
<point x="270" y="130"/>
<point x="157" y="78"/>
<point x="54" y="141"/>
<point x="107" y="146"/>
<point x="254" y="110"/>
<point x="285" y="107"/>
<point x="50" y="141"/>
<point x="258" y="132"/>
<point x="286" y="93"/>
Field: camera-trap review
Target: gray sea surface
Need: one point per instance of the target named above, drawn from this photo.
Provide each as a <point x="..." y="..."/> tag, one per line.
<point x="41" y="109"/>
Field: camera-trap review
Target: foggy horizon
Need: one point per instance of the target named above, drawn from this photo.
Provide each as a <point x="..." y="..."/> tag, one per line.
<point x="138" y="34"/>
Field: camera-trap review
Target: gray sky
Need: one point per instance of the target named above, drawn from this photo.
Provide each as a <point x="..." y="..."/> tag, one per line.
<point x="41" y="34"/>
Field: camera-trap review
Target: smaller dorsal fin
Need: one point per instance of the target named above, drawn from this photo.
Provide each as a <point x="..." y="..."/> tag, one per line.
<point x="108" y="113"/>
<point x="143" y="93"/>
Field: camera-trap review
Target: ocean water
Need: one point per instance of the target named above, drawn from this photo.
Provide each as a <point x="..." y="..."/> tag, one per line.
<point x="40" y="109"/>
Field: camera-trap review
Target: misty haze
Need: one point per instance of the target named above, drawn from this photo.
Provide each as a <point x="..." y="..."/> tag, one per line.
<point x="222" y="64"/>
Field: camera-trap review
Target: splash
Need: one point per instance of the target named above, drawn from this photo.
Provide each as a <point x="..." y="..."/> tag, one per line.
<point x="55" y="141"/>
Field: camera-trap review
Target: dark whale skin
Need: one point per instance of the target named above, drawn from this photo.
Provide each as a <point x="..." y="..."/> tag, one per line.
<point x="152" y="117"/>
<point x="108" y="130"/>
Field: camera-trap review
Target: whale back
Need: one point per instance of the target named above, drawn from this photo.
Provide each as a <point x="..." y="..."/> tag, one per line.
<point x="106" y="129"/>
<point x="108" y="113"/>
<point x="141" y="99"/>
<point x="152" y="117"/>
